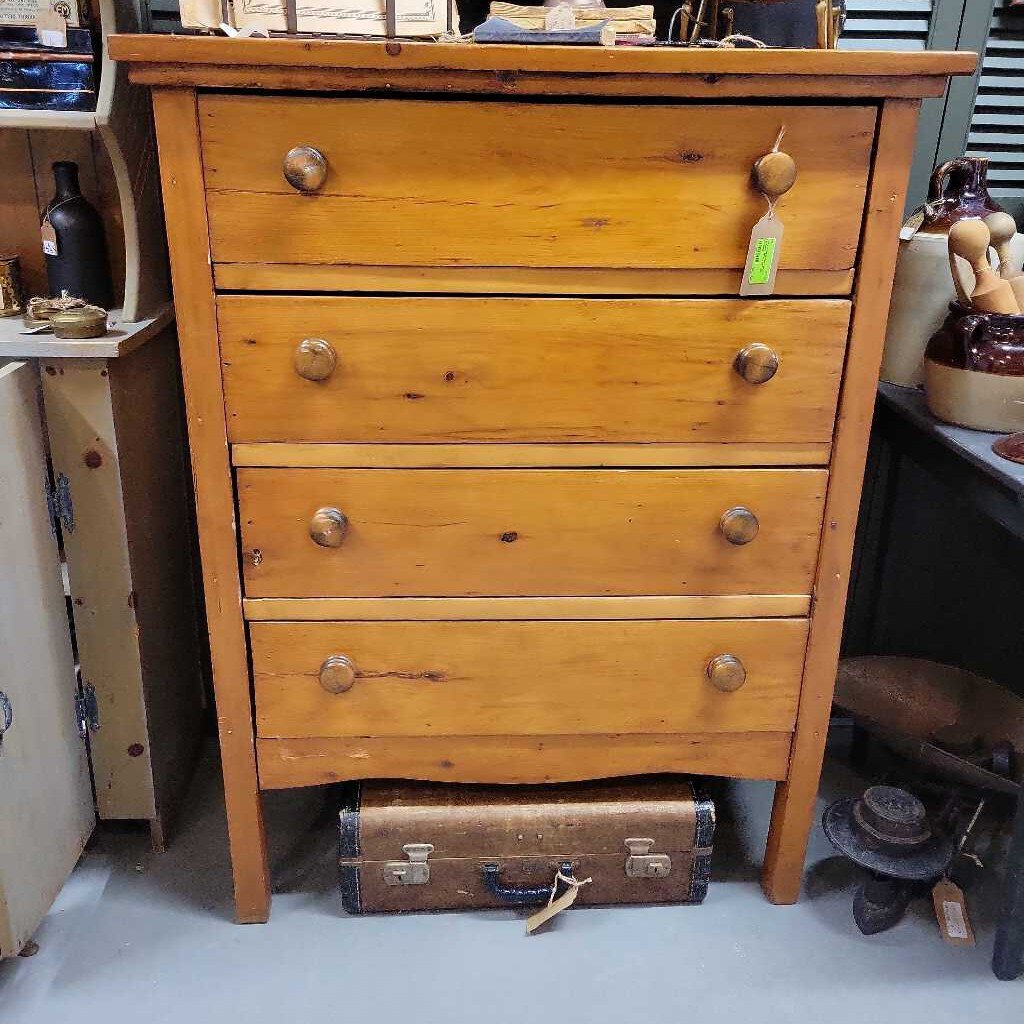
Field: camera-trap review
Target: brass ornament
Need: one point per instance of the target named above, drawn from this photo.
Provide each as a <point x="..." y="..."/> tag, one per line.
<point x="337" y="673"/>
<point x="12" y="294"/>
<point x="756" y="363"/>
<point x="305" y="169"/>
<point x="739" y="525"/>
<point x="80" y="322"/>
<point x="328" y="527"/>
<point x="315" y="359"/>
<point x="726" y="672"/>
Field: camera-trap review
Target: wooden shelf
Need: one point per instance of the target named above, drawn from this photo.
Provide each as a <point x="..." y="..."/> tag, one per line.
<point x="121" y="124"/>
<point x="119" y="341"/>
<point x="68" y="120"/>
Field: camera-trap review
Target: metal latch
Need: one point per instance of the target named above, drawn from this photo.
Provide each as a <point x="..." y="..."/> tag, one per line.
<point x="641" y="863"/>
<point x="414" y="871"/>
<point x="87" y="710"/>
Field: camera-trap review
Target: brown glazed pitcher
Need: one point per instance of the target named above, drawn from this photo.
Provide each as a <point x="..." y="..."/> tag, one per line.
<point x="974" y="370"/>
<point x="958" y="190"/>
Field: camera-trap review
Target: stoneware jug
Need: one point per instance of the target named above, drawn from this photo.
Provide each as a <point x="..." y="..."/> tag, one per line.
<point x="923" y="286"/>
<point x="974" y="370"/>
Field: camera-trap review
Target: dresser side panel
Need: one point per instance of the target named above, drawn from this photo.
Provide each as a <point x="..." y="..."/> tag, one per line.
<point x="795" y="798"/>
<point x="191" y="271"/>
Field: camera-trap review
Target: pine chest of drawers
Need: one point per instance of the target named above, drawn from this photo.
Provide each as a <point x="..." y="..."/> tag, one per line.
<point x="495" y="480"/>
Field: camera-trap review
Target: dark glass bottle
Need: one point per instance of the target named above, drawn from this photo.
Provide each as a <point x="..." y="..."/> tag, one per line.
<point x="80" y="266"/>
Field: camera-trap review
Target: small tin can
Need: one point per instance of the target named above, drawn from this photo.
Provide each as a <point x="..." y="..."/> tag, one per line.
<point x="12" y="298"/>
<point x="83" y="322"/>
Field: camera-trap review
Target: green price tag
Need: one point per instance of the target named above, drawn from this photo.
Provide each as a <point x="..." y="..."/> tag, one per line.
<point x="764" y="258"/>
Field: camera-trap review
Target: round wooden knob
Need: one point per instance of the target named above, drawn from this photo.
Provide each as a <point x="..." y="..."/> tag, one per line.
<point x="739" y="525"/>
<point x="328" y="527"/>
<point x="726" y="672"/>
<point x="774" y="174"/>
<point x="756" y="363"/>
<point x="315" y="359"/>
<point x="305" y="169"/>
<point x="337" y="673"/>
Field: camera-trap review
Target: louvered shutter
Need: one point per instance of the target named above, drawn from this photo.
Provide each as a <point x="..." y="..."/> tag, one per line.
<point x="997" y="123"/>
<point x="887" y="24"/>
<point x="165" y="15"/>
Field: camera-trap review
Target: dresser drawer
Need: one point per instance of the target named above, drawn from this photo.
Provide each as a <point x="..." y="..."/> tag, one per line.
<point x="524" y="678"/>
<point x="467" y="369"/>
<point x="509" y="532"/>
<point x="518" y="184"/>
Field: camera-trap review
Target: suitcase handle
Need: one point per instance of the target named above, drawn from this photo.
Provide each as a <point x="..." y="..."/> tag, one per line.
<point x="520" y="896"/>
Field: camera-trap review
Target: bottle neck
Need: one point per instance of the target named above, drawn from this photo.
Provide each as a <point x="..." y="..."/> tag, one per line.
<point x="65" y="177"/>
<point x="974" y="183"/>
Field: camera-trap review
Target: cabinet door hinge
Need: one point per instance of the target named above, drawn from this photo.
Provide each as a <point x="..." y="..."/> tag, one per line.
<point x="6" y="715"/>
<point x="87" y="710"/>
<point x="59" y="504"/>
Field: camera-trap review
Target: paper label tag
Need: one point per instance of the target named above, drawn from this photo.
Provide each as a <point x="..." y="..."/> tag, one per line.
<point x="913" y="225"/>
<point x="556" y="906"/>
<point x="951" y="912"/>
<point x="762" y="257"/>
<point x="51" y="28"/>
<point x="763" y="261"/>
<point x="564" y="902"/>
<point x="49" y="237"/>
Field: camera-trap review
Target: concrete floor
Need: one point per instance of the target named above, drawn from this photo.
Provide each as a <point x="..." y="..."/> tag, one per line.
<point x="136" y="936"/>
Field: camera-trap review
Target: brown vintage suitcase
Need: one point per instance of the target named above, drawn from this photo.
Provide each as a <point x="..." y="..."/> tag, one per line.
<point x="421" y="846"/>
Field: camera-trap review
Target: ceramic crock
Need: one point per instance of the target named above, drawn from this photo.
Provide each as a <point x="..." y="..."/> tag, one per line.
<point x="974" y="370"/>
<point x="922" y="285"/>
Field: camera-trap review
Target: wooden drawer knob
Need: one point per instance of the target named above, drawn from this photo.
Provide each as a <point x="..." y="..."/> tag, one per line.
<point x="328" y="527"/>
<point x="726" y="672"/>
<point x="774" y="174"/>
<point x="739" y="525"/>
<point x="756" y="363"/>
<point x="315" y="359"/>
<point x="337" y="673"/>
<point x="305" y="169"/>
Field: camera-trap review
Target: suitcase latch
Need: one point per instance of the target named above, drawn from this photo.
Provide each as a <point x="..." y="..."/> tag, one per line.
<point x="641" y="863"/>
<point x="414" y="871"/>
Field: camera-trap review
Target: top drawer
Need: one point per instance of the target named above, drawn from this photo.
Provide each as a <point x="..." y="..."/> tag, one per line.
<point x="508" y="184"/>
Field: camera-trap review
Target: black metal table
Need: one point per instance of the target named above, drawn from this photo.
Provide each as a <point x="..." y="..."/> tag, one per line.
<point x="964" y="458"/>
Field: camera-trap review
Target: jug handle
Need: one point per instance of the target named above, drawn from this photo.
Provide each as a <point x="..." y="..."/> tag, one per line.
<point x="966" y="329"/>
<point x="940" y="177"/>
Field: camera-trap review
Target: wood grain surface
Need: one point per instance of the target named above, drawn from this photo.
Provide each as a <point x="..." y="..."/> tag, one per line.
<point x="525" y="678"/>
<point x="702" y="606"/>
<point x="324" y="455"/>
<point x="285" y="763"/>
<point x="507" y="370"/>
<point x="306" y="54"/>
<point x="528" y="532"/>
<point x="652" y="186"/>
<point x="349" y="277"/>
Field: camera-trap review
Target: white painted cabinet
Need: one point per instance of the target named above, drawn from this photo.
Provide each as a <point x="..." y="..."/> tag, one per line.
<point x="46" y="806"/>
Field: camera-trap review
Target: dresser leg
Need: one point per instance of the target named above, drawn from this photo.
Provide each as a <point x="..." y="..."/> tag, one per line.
<point x="248" y="841"/>
<point x="792" y="812"/>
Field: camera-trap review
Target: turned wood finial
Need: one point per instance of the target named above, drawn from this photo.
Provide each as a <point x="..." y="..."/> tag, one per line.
<point x="1002" y="228"/>
<point x="970" y="239"/>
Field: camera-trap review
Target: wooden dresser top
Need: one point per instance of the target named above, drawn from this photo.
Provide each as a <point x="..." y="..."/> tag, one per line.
<point x="313" y="64"/>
